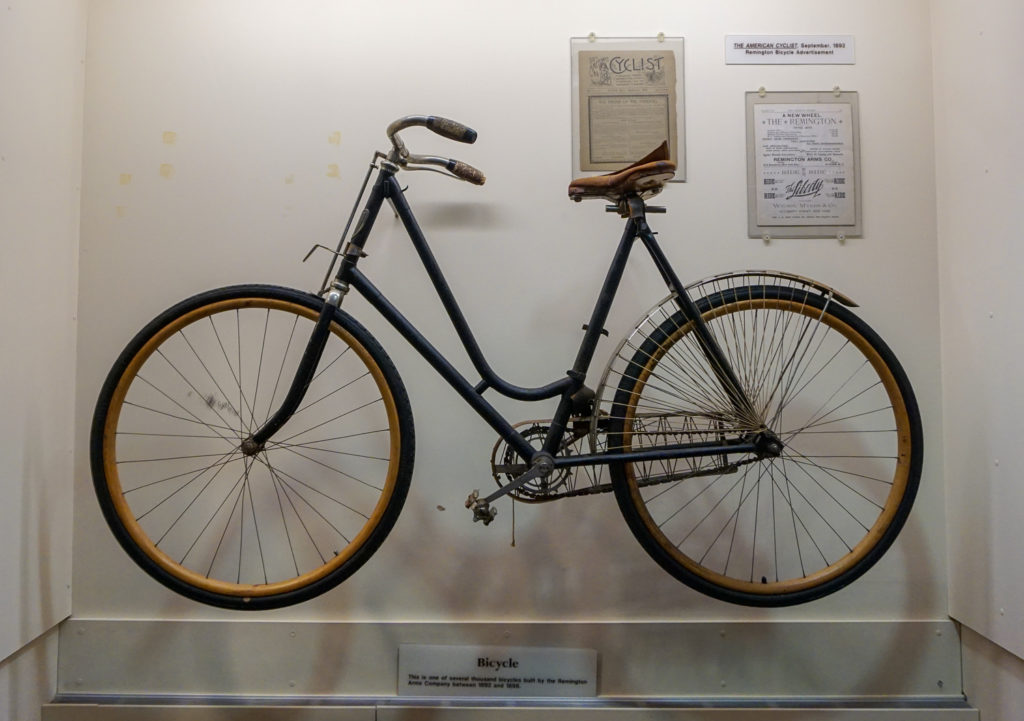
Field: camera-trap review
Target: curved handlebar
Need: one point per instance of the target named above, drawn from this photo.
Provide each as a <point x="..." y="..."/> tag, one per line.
<point x="444" y="127"/>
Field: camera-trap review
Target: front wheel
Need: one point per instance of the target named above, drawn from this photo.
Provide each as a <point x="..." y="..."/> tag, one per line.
<point x="768" y="530"/>
<point x="238" y="530"/>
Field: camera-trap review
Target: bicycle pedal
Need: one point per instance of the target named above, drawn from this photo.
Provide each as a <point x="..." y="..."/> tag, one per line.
<point x="482" y="510"/>
<point x="484" y="513"/>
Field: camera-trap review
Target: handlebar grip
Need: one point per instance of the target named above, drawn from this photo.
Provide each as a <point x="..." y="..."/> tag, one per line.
<point x="451" y="129"/>
<point x="466" y="172"/>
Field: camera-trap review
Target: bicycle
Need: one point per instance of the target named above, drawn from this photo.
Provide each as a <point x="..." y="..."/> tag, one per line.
<point x="253" y="445"/>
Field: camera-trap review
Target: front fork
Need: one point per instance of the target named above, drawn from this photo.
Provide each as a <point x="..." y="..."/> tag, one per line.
<point x="350" y="255"/>
<point x="303" y="375"/>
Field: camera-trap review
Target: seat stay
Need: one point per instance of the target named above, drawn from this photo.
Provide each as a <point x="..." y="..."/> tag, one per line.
<point x="719" y="364"/>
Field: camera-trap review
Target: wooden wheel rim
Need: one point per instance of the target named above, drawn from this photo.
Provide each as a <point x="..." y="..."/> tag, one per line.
<point x="142" y="540"/>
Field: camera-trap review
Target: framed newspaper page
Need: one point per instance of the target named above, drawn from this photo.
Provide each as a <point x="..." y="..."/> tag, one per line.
<point x="627" y="99"/>
<point x="803" y="165"/>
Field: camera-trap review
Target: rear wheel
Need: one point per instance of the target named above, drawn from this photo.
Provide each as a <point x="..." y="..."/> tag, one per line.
<point x="250" y="531"/>
<point x="768" y="531"/>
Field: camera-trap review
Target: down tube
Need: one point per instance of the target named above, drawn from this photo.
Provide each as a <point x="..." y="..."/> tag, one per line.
<point x="447" y="371"/>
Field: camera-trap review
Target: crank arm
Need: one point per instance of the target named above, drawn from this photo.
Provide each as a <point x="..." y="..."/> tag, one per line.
<point x="481" y="507"/>
<point x="539" y="469"/>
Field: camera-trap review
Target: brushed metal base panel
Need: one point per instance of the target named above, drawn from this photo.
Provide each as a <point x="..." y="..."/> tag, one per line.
<point x="819" y="710"/>
<point x="868" y="659"/>
<point x="183" y="712"/>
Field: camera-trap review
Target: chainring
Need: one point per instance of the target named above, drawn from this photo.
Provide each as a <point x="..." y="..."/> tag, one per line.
<point x="506" y="466"/>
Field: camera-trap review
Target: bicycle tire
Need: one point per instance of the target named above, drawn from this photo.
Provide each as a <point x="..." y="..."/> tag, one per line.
<point x="763" y="531"/>
<point x="271" y="529"/>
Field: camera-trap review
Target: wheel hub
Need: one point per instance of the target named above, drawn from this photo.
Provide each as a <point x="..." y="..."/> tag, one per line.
<point x="250" y="447"/>
<point x="768" y="444"/>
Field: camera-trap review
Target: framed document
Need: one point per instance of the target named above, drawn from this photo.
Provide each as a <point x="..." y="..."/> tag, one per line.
<point x="803" y="165"/>
<point x="627" y="100"/>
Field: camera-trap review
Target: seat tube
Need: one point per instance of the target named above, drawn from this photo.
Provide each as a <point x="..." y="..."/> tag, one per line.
<point x="604" y="301"/>
<point x="591" y="336"/>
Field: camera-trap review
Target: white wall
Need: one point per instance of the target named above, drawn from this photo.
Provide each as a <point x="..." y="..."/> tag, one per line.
<point x="254" y="91"/>
<point x="980" y="195"/>
<point x="977" y="59"/>
<point x="28" y="678"/>
<point x="41" y="51"/>
<point x="42" y="46"/>
<point x="993" y="678"/>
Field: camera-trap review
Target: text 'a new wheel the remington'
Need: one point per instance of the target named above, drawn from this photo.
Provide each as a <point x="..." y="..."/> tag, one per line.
<point x="239" y="529"/>
<point x="779" y="528"/>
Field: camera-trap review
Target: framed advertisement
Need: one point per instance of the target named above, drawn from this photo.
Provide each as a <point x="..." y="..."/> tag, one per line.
<point x="803" y="165"/>
<point x="627" y="98"/>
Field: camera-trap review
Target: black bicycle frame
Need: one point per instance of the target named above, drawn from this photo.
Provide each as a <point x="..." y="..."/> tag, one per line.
<point x="386" y="187"/>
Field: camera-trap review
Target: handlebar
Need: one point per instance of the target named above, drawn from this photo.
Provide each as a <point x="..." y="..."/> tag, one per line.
<point x="445" y="128"/>
<point x="442" y="126"/>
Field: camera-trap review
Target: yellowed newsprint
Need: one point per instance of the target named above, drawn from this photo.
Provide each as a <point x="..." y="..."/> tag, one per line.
<point x="627" y="106"/>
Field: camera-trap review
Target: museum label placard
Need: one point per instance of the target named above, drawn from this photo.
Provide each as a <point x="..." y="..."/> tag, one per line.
<point x="789" y="50"/>
<point x="434" y="670"/>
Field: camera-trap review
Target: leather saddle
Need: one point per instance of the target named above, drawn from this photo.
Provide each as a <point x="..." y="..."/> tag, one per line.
<point x="645" y="177"/>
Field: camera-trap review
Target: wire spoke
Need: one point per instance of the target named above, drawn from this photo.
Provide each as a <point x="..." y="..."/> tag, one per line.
<point x="289" y="487"/>
<point x="186" y="509"/>
<point x="331" y="393"/>
<point x="180" y="418"/>
<point x="332" y="420"/>
<point x="284" y="520"/>
<point x="329" y="497"/>
<point x="280" y="371"/>
<point x="224" y="459"/>
<point x="311" y="447"/>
